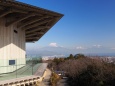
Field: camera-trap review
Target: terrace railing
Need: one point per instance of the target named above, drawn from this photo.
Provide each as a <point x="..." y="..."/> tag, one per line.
<point x="17" y="70"/>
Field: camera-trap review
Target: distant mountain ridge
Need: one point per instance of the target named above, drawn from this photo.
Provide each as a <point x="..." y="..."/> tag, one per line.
<point x="50" y="51"/>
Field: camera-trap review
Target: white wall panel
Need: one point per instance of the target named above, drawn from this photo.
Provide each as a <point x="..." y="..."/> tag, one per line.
<point x="12" y="46"/>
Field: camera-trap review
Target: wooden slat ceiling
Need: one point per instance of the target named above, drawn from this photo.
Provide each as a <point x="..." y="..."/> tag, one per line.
<point x="34" y="20"/>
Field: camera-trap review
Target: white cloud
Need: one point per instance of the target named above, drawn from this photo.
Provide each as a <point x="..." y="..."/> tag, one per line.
<point x="97" y="46"/>
<point x="61" y="46"/>
<point x="80" y="48"/>
<point x="113" y="48"/>
<point x="53" y="45"/>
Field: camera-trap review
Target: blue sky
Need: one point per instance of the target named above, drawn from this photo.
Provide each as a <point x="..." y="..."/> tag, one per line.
<point x="87" y="26"/>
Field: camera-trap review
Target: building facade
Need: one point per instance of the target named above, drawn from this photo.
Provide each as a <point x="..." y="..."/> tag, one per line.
<point x="21" y="23"/>
<point x="12" y="47"/>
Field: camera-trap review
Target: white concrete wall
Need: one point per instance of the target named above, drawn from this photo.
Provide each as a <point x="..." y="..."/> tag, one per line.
<point x="12" y="46"/>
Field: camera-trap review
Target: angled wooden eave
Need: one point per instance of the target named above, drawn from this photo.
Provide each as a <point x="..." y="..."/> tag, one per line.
<point x="34" y="20"/>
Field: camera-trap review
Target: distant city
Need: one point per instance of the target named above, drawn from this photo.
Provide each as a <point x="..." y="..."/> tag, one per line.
<point x="63" y="52"/>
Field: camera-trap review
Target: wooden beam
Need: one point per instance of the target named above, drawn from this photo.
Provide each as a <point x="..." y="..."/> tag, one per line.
<point x="32" y="38"/>
<point x="10" y="10"/>
<point x="36" y="33"/>
<point x="36" y="24"/>
<point x="31" y="41"/>
<point x="31" y="21"/>
<point x="35" y="30"/>
<point x="5" y="12"/>
<point x="19" y="11"/>
<point x="41" y="33"/>
<point x="32" y="34"/>
<point x="28" y="7"/>
<point x="20" y="19"/>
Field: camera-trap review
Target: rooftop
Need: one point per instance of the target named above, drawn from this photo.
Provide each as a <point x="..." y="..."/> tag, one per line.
<point x="34" y="20"/>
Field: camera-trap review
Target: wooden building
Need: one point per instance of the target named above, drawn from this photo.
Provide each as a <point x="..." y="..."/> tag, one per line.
<point x="21" y="23"/>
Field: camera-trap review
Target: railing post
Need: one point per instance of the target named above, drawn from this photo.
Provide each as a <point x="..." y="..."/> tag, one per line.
<point x="32" y="66"/>
<point x="16" y="68"/>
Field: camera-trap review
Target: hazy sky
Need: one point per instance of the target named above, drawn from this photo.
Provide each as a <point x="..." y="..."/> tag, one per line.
<point x="87" y="25"/>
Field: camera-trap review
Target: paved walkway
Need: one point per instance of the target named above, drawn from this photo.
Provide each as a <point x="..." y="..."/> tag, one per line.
<point x="46" y="82"/>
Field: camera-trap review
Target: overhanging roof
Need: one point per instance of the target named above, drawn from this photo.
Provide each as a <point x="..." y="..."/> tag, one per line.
<point x="34" y="20"/>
